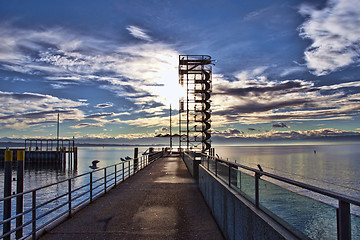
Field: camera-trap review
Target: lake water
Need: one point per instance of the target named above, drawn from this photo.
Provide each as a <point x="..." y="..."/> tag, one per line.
<point x="333" y="167"/>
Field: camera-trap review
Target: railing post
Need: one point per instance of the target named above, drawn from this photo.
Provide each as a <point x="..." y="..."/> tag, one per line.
<point x="216" y="167"/>
<point x="129" y="165"/>
<point x="104" y="180"/>
<point x="91" y="186"/>
<point x="344" y="222"/>
<point x="69" y="189"/>
<point x="7" y="191"/>
<point x="136" y="160"/>
<point x="257" y="177"/>
<point x="229" y="174"/>
<point x="123" y="171"/>
<point x="20" y="189"/>
<point x="115" y="175"/>
<point x="33" y="215"/>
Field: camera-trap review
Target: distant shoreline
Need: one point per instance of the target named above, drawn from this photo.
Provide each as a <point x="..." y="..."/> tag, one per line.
<point x="15" y="144"/>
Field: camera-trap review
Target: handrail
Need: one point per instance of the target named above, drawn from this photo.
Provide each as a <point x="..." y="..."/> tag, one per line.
<point x="312" y="188"/>
<point x="343" y="215"/>
<point x="74" y="196"/>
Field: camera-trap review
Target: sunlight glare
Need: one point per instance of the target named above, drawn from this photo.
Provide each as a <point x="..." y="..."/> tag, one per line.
<point x="170" y="90"/>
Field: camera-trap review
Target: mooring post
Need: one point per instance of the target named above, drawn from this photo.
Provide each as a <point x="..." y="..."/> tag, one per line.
<point x="136" y="160"/>
<point x="7" y="191"/>
<point x="75" y="157"/>
<point x="20" y="189"/>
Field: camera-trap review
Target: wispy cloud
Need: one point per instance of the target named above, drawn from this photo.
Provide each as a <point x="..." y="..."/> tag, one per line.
<point x="20" y="110"/>
<point x="138" y="33"/>
<point x="334" y="31"/>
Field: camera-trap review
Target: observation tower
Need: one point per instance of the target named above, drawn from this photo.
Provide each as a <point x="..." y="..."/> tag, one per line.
<point x="195" y="75"/>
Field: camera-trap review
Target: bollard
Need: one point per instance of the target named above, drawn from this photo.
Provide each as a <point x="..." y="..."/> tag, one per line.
<point x="136" y="160"/>
<point x="20" y="189"/>
<point x="75" y="157"/>
<point x="7" y="191"/>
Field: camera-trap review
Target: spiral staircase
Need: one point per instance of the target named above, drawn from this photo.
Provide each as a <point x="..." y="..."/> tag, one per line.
<point x="195" y="75"/>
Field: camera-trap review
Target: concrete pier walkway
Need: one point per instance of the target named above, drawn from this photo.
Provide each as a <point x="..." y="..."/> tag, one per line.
<point x="160" y="202"/>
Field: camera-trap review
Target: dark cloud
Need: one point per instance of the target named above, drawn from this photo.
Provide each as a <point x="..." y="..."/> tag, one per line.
<point x="252" y="107"/>
<point x="38" y="115"/>
<point x="287" y="87"/>
<point x="104" y="105"/>
<point x="251" y="129"/>
<point x="42" y="122"/>
<point x="85" y="125"/>
<point x="280" y="125"/>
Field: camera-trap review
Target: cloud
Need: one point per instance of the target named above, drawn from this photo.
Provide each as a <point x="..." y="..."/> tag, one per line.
<point x="327" y="133"/>
<point x="20" y="110"/>
<point x="230" y="132"/>
<point x="104" y="105"/>
<point x="100" y="115"/>
<point x="334" y="33"/>
<point x="155" y="121"/>
<point x="138" y="33"/>
<point x="140" y="72"/>
<point x="341" y="85"/>
<point x="259" y="100"/>
<point x="280" y="125"/>
<point x="266" y="87"/>
<point x="87" y="125"/>
<point x="291" y="70"/>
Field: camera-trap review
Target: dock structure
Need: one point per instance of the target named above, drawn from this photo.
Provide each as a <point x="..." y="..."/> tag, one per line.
<point x="47" y="153"/>
<point x="160" y="202"/>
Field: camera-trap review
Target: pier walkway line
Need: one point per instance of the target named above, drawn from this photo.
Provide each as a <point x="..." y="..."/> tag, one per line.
<point x="160" y="202"/>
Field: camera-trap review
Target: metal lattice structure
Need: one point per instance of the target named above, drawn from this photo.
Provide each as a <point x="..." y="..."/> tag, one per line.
<point x="195" y="75"/>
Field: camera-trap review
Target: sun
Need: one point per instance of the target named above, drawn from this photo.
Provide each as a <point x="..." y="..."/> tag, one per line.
<point x="169" y="91"/>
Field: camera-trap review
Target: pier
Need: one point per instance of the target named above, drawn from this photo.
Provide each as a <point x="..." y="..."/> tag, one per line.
<point x="177" y="195"/>
<point x="161" y="202"/>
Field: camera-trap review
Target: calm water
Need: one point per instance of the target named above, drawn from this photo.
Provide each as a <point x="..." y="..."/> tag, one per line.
<point x="39" y="177"/>
<point x="334" y="167"/>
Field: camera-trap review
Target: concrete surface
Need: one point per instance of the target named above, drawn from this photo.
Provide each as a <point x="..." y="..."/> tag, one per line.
<point x="160" y="202"/>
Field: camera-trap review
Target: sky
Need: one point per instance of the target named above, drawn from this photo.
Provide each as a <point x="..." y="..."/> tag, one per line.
<point x="284" y="69"/>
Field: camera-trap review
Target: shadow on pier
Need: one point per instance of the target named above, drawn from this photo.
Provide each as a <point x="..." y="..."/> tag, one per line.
<point x="161" y="202"/>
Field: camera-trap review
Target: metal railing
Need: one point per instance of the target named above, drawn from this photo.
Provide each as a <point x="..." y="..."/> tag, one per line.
<point x="273" y="199"/>
<point x="76" y="193"/>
